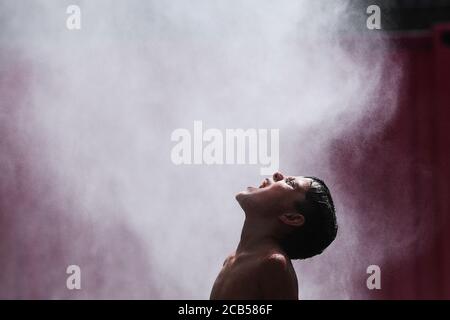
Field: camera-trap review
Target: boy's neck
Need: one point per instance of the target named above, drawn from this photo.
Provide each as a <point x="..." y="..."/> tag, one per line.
<point x="256" y="236"/>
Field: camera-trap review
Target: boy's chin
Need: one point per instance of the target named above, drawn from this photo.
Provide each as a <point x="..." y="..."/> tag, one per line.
<point x="246" y="200"/>
<point x="242" y="198"/>
<point x="245" y="193"/>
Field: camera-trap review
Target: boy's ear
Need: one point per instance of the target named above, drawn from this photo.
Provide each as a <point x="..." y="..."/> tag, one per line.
<point x="293" y="219"/>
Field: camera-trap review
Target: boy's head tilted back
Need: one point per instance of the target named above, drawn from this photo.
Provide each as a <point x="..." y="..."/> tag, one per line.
<point x="285" y="218"/>
<point x="297" y="211"/>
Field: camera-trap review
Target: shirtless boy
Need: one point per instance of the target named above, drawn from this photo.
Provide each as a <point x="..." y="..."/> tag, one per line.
<point x="286" y="218"/>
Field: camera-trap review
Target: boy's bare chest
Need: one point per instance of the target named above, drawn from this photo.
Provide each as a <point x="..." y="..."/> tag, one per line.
<point x="237" y="279"/>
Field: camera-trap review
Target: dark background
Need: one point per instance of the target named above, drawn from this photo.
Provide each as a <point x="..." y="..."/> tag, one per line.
<point x="407" y="166"/>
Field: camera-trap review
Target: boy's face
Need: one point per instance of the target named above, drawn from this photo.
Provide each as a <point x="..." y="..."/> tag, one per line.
<point x="275" y="195"/>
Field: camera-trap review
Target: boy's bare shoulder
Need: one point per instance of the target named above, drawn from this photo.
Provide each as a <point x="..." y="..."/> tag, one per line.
<point x="277" y="278"/>
<point x="229" y="258"/>
<point x="275" y="262"/>
<point x="265" y="261"/>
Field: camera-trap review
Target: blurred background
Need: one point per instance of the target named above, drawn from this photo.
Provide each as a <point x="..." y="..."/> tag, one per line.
<point x="86" y="118"/>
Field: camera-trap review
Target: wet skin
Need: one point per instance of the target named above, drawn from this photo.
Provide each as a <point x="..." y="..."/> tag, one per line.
<point x="260" y="269"/>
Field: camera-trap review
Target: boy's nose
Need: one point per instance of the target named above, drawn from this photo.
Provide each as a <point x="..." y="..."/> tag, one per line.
<point x="277" y="176"/>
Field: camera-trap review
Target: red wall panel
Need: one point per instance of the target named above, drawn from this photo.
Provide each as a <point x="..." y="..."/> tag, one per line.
<point x="403" y="178"/>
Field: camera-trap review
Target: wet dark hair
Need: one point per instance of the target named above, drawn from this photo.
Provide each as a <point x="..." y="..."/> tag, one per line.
<point x="320" y="227"/>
